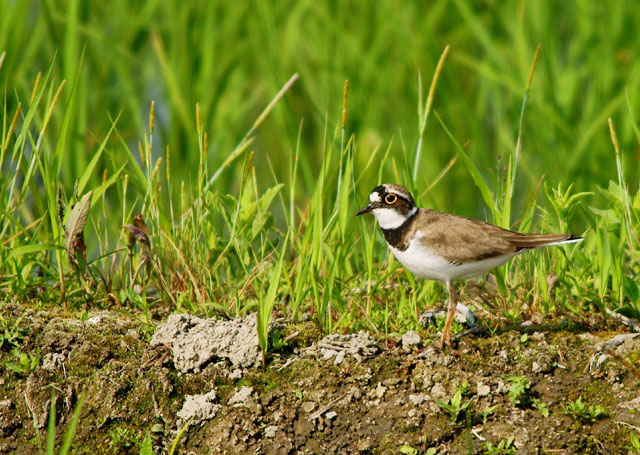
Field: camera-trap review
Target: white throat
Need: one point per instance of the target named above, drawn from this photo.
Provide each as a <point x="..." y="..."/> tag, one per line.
<point x="390" y="218"/>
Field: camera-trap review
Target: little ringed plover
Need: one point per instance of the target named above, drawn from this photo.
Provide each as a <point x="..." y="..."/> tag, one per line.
<point x="445" y="247"/>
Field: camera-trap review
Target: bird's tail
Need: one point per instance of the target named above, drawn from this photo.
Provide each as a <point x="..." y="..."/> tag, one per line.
<point x="527" y="241"/>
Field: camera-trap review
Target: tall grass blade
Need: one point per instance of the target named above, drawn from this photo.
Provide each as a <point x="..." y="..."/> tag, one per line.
<point x="427" y="109"/>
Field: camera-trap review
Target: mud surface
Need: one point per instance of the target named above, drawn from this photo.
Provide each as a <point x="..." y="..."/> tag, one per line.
<point x="563" y="388"/>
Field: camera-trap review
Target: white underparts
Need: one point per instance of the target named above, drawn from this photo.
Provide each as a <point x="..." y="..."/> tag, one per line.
<point x="389" y="218"/>
<point x="423" y="262"/>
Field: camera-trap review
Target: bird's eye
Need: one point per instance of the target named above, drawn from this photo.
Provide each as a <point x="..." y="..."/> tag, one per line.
<point x="390" y="199"/>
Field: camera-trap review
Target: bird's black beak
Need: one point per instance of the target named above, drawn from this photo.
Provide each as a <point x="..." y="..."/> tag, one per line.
<point x="367" y="209"/>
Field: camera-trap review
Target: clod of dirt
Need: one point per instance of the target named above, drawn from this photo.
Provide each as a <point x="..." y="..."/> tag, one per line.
<point x="360" y="346"/>
<point x="270" y="431"/>
<point x="199" y="408"/>
<point x="243" y="397"/>
<point x="195" y="342"/>
<point x="483" y="389"/>
<point x="411" y="338"/>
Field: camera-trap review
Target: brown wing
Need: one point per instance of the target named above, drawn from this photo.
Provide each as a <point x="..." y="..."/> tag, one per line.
<point x="460" y="239"/>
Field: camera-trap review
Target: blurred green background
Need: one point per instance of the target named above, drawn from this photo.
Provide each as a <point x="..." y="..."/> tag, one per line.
<point x="232" y="57"/>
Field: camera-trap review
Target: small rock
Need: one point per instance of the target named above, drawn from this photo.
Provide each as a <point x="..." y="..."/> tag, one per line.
<point x="270" y="431"/>
<point x="328" y="353"/>
<point x="308" y="406"/>
<point x="339" y="358"/>
<point x="502" y="388"/>
<point x="373" y="403"/>
<point x="483" y="389"/>
<point x="538" y="336"/>
<point x="195" y="341"/>
<point x="235" y="374"/>
<point x="95" y="320"/>
<point x="380" y="390"/>
<point x="504" y="356"/>
<point x="360" y="346"/>
<point x="199" y="408"/>
<point x="418" y="398"/>
<point x="392" y="382"/>
<point x="411" y="338"/>
<point x="331" y="415"/>
<point x="243" y="397"/>
<point x="438" y="391"/>
<point x="536" y="368"/>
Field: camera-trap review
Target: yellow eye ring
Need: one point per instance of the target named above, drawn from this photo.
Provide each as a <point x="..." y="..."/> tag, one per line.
<point x="390" y="199"/>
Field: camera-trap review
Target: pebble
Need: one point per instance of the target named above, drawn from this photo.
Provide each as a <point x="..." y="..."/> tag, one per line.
<point x="483" y="389"/>
<point x="308" y="406"/>
<point x="411" y="338"/>
<point x="270" y="431"/>
<point x="502" y="388"/>
<point x="380" y="390"/>
<point x="418" y="398"/>
<point x="438" y="391"/>
<point x="241" y="397"/>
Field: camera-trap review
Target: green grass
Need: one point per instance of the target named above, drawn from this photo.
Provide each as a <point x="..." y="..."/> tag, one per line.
<point x="580" y="410"/>
<point x="210" y="158"/>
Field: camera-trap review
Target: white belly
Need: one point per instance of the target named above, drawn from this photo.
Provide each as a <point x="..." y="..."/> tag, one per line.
<point x="423" y="262"/>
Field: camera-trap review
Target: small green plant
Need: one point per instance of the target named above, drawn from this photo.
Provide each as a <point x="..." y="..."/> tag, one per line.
<point x="299" y="395"/>
<point x="51" y="428"/>
<point x="11" y="332"/>
<point x="487" y="412"/>
<point x="519" y="391"/>
<point x="146" y="446"/>
<point x="455" y="408"/>
<point x="587" y="413"/>
<point x="266" y="303"/>
<point x="278" y="342"/>
<point x="408" y="450"/>
<point x="25" y="363"/>
<point x="541" y="407"/>
<point x="634" y="449"/>
<point x="121" y="437"/>
<point x="504" y="447"/>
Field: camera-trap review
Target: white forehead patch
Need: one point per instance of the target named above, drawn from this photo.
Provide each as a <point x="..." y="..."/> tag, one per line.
<point x="374" y="197"/>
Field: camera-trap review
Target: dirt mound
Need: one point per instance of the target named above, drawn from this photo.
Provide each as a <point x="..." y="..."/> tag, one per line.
<point x="556" y="390"/>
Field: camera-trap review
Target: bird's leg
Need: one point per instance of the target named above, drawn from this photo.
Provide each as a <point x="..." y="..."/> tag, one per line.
<point x="453" y="301"/>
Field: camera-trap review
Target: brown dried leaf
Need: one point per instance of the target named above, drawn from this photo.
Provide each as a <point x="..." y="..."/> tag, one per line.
<point x="75" y="227"/>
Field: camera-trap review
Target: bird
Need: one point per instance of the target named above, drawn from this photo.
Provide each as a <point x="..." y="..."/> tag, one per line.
<point x="446" y="247"/>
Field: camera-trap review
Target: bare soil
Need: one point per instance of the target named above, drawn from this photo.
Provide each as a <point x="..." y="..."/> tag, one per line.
<point x="307" y="404"/>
